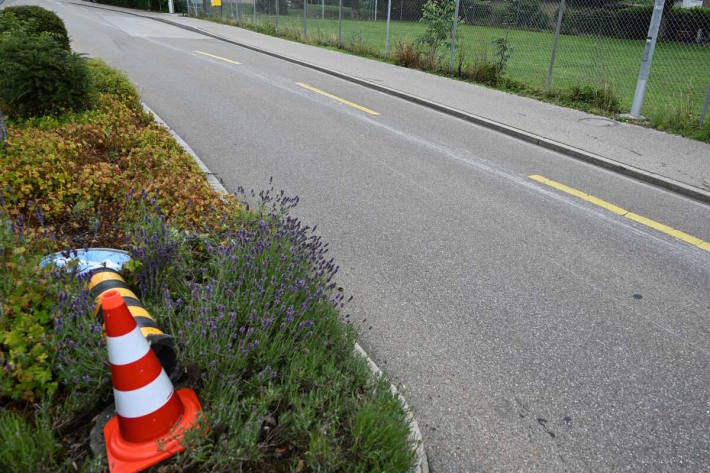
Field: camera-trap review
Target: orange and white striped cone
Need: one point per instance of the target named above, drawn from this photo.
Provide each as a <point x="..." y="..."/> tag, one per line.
<point x="151" y="417"/>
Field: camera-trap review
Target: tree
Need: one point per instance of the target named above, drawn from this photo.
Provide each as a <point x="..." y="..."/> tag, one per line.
<point x="438" y="16"/>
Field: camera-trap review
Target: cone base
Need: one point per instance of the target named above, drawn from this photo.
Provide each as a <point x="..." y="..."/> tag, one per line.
<point x="129" y="457"/>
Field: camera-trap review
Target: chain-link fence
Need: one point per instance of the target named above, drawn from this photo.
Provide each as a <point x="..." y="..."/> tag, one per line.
<point x="598" y="44"/>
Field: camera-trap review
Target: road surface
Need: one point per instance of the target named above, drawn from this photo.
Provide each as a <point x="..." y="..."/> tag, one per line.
<point x="532" y="330"/>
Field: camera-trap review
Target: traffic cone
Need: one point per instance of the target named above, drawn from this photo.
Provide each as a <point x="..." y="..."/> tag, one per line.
<point x="151" y="417"/>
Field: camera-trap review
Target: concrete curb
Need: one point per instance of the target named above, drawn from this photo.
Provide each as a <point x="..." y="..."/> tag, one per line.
<point x="211" y="177"/>
<point x="568" y="150"/>
<point x="415" y="435"/>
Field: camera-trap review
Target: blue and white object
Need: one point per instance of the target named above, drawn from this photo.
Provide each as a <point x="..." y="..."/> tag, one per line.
<point x="89" y="259"/>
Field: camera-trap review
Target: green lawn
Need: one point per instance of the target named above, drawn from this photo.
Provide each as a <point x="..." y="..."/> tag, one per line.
<point x="680" y="74"/>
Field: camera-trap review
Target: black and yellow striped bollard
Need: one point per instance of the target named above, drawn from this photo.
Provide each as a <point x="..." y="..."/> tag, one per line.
<point x="105" y="279"/>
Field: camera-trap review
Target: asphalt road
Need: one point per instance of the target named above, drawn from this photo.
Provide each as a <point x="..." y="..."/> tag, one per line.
<point x="532" y="331"/>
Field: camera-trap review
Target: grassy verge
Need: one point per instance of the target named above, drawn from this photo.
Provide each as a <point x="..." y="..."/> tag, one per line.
<point x="249" y="295"/>
<point x="673" y="100"/>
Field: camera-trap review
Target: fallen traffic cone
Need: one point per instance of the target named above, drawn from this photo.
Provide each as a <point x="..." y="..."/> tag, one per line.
<point x="151" y="417"/>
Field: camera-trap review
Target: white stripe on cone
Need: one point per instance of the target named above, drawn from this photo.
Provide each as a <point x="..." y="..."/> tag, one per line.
<point x="145" y="400"/>
<point x="127" y="348"/>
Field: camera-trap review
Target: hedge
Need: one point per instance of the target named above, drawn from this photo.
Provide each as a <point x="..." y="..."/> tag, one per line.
<point x="40" y="77"/>
<point x="155" y="5"/>
<point x="684" y="24"/>
<point x="632" y="22"/>
<point x="36" y="20"/>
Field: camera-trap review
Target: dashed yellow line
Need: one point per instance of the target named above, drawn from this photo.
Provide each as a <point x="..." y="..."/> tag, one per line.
<point x="624" y="213"/>
<point x="218" y="57"/>
<point x="337" y="99"/>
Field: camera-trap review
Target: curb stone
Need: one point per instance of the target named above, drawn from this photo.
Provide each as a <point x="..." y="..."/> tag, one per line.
<point x="211" y="177"/>
<point x="415" y="435"/>
<point x="538" y="140"/>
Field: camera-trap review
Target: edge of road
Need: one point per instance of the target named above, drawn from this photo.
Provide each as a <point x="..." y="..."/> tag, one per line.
<point x="415" y="436"/>
<point x="547" y="143"/>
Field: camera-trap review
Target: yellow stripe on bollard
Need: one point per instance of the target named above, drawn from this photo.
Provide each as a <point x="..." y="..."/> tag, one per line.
<point x="124" y="291"/>
<point x="137" y="311"/>
<point x="98" y="278"/>
<point x="104" y="280"/>
<point x="147" y="331"/>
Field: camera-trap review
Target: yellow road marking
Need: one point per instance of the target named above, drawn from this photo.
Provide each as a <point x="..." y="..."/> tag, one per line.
<point x="624" y="213"/>
<point x="337" y="99"/>
<point x="217" y="57"/>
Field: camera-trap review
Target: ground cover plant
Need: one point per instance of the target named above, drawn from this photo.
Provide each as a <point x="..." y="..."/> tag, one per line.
<point x="248" y="292"/>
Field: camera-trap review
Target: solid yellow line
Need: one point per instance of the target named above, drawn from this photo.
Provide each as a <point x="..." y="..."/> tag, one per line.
<point x="218" y="57"/>
<point x="338" y="99"/>
<point x="624" y="213"/>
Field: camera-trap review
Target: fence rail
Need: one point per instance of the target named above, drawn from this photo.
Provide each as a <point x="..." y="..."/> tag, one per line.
<point x="583" y="46"/>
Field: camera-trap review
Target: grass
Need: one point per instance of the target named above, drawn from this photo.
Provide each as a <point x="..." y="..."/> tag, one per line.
<point x="249" y="295"/>
<point x="26" y="448"/>
<point x="679" y="78"/>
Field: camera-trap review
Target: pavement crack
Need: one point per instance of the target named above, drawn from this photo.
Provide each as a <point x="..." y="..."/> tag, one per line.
<point x="543" y="422"/>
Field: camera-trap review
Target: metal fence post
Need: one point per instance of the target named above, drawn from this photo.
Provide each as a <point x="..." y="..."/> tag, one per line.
<point x="236" y="9"/>
<point x="453" y="36"/>
<point x="637" y="104"/>
<point x="387" y="34"/>
<point x="705" y="107"/>
<point x="255" y="12"/>
<point x="305" y="14"/>
<point x="277" y="15"/>
<point x="554" y="44"/>
<point x="375" y="10"/>
<point x="171" y="7"/>
<point x="340" y="24"/>
<point x="322" y="13"/>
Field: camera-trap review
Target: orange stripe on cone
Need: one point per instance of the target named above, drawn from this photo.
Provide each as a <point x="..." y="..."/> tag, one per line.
<point x="154" y="425"/>
<point x="137" y="374"/>
<point x="151" y="416"/>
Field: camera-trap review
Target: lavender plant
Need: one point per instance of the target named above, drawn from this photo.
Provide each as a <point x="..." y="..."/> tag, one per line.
<point x="154" y="247"/>
<point x="255" y="312"/>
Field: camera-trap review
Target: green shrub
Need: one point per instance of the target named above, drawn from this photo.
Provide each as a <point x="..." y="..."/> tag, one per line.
<point x="437" y="16"/>
<point x="477" y="12"/>
<point x="596" y="21"/>
<point x="407" y="54"/>
<point x="686" y="23"/>
<point x="600" y="98"/>
<point x="26" y="303"/>
<point x="106" y="80"/>
<point x="9" y="23"/>
<point x="269" y="7"/>
<point x="633" y="22"/>
<point x="40" y="77"/>
<point x="683" y="24"/>
<point x="26" y="448"/>
<point x="180" y="6"/>
<point x="36" y="20"/>
<point x="526" y="14"/>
